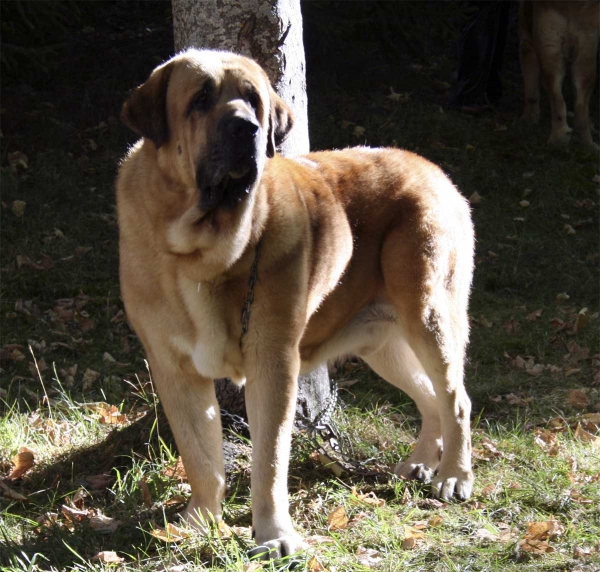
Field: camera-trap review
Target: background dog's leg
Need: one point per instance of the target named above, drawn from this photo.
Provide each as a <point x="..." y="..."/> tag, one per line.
<point x="271" y="406"/>
<point x="195" y="419"/>
<point x="397" y="363"/>
<point x="553" y="72"/>
<point x="531" y="80"/>
<point x="584" y="79"/>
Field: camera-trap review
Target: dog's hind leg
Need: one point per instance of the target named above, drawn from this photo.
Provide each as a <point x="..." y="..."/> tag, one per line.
<point x="454" y="476"/>
<point x="195" y="419"/>
<point x="427" y="265"/>
<point x="396" y="363"/>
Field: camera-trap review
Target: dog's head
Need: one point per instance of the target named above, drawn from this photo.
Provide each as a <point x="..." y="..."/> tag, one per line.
<point x="214" y="119"/>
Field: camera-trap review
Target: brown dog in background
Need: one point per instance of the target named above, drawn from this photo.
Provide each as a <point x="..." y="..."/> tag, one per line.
<point x="362" y="251"/>
<point x="555" y="36"/>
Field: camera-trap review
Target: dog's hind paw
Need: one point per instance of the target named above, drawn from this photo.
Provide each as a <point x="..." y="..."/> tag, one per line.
<point x="448" y="487"/>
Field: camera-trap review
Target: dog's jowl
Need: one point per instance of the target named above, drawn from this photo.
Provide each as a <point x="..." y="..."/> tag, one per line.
<point x="362" y="251"/>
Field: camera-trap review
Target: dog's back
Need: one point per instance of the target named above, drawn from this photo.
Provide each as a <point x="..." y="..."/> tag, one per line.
<point x="557" y="36"/>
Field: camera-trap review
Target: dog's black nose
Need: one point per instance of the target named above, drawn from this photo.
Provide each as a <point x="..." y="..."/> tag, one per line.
<point x="242" y="128"/>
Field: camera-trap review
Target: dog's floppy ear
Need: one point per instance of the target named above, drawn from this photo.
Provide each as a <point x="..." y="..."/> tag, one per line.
<point x="281" y="121"/>
<point x="145" y="111"/>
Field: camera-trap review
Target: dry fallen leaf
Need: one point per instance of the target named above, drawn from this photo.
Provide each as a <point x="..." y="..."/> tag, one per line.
<point x="544" y="530"/>
<point x="580" y="553"/>
<point x="485" y="534"/>
<point x="518" y="400"/>
<point x="367" y="498"/>
<point x="18" y="208"/>
<point x="338" y="519"/>
<point x="368" y="557"/>
<point x="223" y="530"/>
<point x="176" y="471"/>
<point x="74" y="514"/>
<point x="578" y="398"/>
<point x="488" y="490"/>
<point x="512" y="326"/>
<point x="103" y="524"/>
<point x="171" y="533"/>
<point x="412" y="536"/>
<point x="108" y="557"/>
<point x="8" y="493"/>
<point x="576" y="353"/>
<point x="89" y="378"/>
<point x="548" y="441"/>
<point x="146" y="496"/>
<point x="534" y="315"/>
<point x="587" y="437"/>
<point x="23" y="461"/>
<point x="313" y="565"/>
<point x="582" y="320"/>
<point x="435" y="521"/>
<point x="535" y="547"/>
<point x="18" y="160"/>
<point x="252" y="567"/>
<point x="47" y="519"/>
<point x="400" y="97"/>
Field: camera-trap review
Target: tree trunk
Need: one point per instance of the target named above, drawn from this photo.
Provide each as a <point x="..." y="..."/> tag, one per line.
<point x="270" y="32"/>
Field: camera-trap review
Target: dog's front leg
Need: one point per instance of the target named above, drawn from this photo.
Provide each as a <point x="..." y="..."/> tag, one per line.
<point x="271" y="403"/>
<point x="193" y="412"/>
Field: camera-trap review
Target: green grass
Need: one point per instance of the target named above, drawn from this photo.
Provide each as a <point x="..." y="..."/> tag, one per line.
<point x="526" y="259"/>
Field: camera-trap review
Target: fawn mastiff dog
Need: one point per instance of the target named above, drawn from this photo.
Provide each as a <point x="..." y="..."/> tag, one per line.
<point x="236" y="262"/>
<point x="557" y="36"/>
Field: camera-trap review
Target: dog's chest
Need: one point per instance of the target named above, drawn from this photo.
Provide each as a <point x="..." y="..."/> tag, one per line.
<point x="214" y="352"/>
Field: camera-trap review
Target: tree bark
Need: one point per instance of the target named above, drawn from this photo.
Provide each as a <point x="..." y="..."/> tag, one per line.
<point x="270" y="32"/>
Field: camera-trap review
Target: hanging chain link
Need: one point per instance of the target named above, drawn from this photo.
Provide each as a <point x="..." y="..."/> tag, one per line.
<point x="329" y="443"/>
<point x="250" y="293"/>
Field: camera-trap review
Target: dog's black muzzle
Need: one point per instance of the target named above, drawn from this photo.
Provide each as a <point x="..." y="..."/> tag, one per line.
<point x="228" y="174"/>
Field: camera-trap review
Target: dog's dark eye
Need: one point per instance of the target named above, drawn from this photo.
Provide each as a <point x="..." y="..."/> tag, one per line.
<point x="203" y="98"/>
<point x="252" y="98"/>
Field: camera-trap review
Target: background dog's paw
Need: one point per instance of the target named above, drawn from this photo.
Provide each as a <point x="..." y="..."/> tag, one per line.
<point x="447" y="486"/>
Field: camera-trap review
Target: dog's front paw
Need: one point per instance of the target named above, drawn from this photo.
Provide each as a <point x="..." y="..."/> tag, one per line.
<point x="449" y="484"/>
<point x="198" y="518"/>
<point x="274" y="543"/>
<point x="415" y="471"/>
